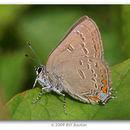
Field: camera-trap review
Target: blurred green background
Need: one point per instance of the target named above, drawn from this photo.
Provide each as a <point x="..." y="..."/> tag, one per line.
<point x="44" y="26"/>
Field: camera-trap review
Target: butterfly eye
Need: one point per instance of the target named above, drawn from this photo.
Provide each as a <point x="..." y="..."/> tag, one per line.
<point x="39" y="70"/>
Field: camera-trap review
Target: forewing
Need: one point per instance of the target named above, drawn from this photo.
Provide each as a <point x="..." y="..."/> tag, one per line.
<point x="83" y="39"/>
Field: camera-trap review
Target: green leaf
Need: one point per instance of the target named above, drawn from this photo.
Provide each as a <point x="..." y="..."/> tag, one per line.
<point x="126" y="28"/>
<point x="3" y="111"/>
<point x="50" y="106"/>
<point x="119" y="108"/>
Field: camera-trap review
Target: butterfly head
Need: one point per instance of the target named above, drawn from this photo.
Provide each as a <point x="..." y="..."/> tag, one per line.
<point x="40" y="70"/>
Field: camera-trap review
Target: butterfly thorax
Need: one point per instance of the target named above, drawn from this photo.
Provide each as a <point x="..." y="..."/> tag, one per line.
<point x="50" y="82"/>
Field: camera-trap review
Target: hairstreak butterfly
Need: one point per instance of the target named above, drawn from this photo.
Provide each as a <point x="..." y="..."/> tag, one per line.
<point x="77" y="66"/>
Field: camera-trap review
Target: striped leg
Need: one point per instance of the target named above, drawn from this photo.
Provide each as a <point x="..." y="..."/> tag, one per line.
<point x="65" y="106"/>
<point x="39" y="94"/>
<point x="64" y="103"/>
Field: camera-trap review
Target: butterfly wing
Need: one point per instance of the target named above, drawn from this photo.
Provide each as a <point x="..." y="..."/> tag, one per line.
<point x="76" y="56"/>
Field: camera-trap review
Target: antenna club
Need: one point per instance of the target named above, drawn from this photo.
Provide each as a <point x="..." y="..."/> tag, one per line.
<point x="25" y="54"/>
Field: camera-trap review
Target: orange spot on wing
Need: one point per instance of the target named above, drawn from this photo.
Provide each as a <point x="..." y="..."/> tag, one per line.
<point x="104" y="89"/>
<point x="104" y="82"/>
<point x="103" y="76"/>
<point x="93" y="98"/>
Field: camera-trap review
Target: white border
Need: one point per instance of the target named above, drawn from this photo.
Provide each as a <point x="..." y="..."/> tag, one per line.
<point x="64" y="1"/>
<point x="45" y="125"/>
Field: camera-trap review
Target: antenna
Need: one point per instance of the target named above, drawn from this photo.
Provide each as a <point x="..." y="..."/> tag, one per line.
<point x="31" y="57"/>
<point x="37" y="58"/>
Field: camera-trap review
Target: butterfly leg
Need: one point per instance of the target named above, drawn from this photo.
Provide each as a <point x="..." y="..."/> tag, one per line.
<point x="64" y="103"/>
<point x="40" y="94"/>
<point x="35" y="83"/>
<point x="65" y="106"/>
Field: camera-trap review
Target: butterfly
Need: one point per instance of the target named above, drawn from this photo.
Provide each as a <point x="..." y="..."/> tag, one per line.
<point x="77" y="66"/>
